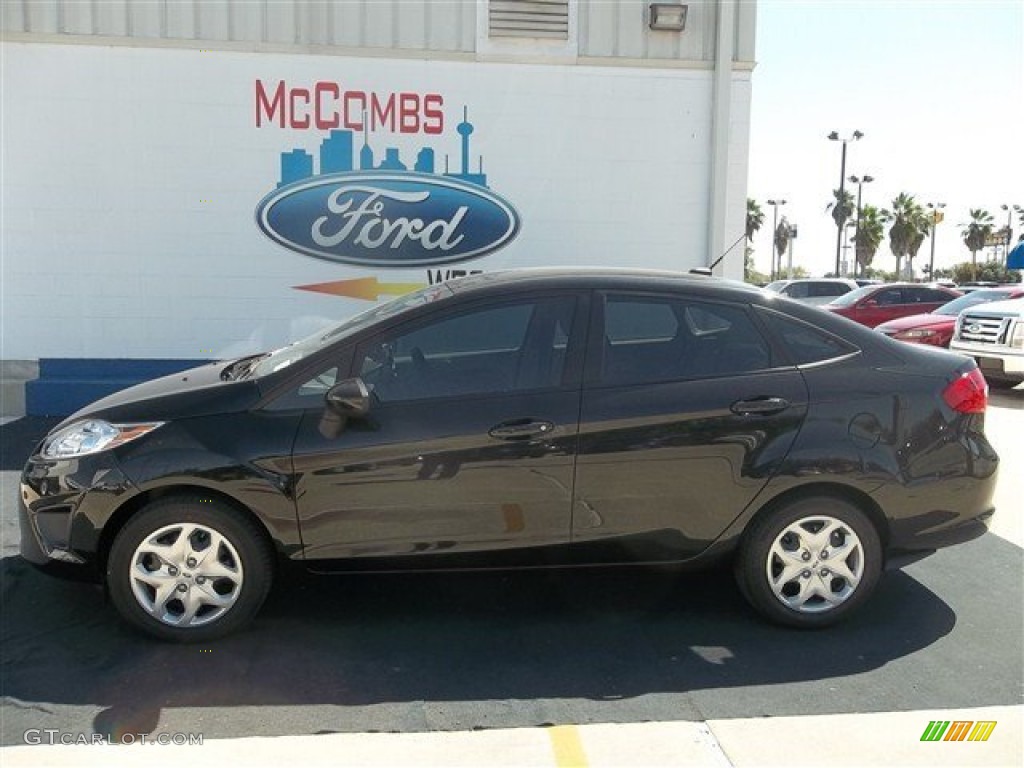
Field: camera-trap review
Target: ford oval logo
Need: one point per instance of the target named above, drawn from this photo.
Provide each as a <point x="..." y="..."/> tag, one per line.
<point x="383" y="219"/>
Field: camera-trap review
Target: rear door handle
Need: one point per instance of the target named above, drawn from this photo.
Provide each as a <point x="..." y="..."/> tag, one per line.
<point x="762" y="406"/>
<point x="521" y="429"/>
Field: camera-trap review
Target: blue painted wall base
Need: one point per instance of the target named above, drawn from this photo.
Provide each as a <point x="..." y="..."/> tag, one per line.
<point x="67" y="384"/>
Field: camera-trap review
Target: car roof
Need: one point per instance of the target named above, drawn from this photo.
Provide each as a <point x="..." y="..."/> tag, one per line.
<point x="600" y="278"/>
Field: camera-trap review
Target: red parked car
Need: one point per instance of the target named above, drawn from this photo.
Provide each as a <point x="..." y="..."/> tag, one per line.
<point x="936" y="328"/>
<point x="875" y="304"/>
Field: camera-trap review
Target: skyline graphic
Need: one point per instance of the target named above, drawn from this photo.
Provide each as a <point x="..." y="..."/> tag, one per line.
<point x="337" y="155"/>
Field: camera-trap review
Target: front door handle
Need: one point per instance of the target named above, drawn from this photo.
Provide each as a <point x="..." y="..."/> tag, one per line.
<point x="521" y="429"/>
<point x="761" y="406"/>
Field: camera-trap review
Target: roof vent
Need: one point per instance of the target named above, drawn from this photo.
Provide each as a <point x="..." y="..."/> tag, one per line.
<point x="529" y="18"/>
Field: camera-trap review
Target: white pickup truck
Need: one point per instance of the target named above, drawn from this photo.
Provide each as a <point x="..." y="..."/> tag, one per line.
<point x="993" y="334"/>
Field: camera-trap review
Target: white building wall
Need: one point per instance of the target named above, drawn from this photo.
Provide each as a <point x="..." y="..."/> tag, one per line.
<point x="133" y="164"/>
<point x="132" y="175"/>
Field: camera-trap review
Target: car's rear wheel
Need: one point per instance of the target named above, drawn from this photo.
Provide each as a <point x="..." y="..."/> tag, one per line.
<point x="189" y="569"/>
<point x="809" y="563"/>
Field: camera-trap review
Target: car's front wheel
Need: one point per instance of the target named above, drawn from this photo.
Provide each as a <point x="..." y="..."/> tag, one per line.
<point x="189" y="569"/>
<point x="809" y="563"/>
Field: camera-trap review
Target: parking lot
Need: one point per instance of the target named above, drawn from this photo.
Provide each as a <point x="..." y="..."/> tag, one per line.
<point x="464" y="652"/>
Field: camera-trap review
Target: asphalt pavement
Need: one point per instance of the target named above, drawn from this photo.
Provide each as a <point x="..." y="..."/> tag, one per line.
<point x="599" y="666"/>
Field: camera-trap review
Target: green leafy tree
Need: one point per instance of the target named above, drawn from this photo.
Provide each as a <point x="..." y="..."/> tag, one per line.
<point x="992" y="271"/>
<point x="869" y="234"/>
<point x="750" y="273"/>
<point x="976" y="232"/>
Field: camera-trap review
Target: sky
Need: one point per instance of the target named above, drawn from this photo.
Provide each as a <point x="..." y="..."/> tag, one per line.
<point x="936" y="87"/>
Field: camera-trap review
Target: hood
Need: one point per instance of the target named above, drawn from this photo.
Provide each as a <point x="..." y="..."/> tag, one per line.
<point x="1010" y="307"/>
<point x="195" y="392"/>
<point x="916" y="321"/>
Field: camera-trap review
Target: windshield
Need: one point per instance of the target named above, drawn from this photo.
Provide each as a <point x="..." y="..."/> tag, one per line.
<point x="285" y="356"/>
<point x="777" y="286"/>
<point x="851" y="298"/>
<point x="956" y="306"/>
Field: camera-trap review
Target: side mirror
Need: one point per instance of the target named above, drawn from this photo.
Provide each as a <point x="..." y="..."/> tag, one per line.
<point x="349" y="398"/>
<point x="870" y="303"/>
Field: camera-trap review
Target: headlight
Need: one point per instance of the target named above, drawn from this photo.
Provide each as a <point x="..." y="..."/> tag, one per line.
<point x="916" y="333"/>
<point x="1017" y="337"/>
<point x="93" y="436"/>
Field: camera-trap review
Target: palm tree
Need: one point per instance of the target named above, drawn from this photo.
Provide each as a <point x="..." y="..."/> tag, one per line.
<point x="906" y="215"/>
<point x="843" y="207"/>
<point x="781" y="239"/>
<point x="870" y="233"/>
<point x="755" y="218"/>
<point x="923" y="228"/>
<point x="976" y="232"/>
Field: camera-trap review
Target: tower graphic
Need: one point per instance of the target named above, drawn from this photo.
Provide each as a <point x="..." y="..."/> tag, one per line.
<point x="337" y="155"/>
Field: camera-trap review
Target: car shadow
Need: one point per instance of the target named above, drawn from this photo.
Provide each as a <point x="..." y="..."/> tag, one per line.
<point x="596" y="634"/>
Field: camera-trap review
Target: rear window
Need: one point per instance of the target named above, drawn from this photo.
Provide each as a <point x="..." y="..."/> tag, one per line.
<point x="805" y="343"/>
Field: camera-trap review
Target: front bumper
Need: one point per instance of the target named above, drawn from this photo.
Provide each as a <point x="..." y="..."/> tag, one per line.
<point x="62" y="508"/>
<point x="999" y="362"/>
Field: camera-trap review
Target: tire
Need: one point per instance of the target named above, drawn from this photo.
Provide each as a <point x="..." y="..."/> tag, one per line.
<point x="188" y="569"/>
<point x="794" y="578"/>
<point x="1002" y="384"/>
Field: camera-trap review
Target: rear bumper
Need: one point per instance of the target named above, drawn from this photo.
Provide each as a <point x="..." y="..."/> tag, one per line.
<point x="927" y="542"/>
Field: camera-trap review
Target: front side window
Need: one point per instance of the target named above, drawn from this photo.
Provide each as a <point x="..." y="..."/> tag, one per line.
<point x="889" y="297"/>
<point x="648" y="340"/>
<point x="797" y="290"/>
<point x="489" y="350"/>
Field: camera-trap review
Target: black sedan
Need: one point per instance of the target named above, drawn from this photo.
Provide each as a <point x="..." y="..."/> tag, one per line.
<point x="524" y="419"/>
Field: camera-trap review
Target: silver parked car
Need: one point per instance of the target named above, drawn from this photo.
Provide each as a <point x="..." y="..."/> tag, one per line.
<point x="813" y="290"/>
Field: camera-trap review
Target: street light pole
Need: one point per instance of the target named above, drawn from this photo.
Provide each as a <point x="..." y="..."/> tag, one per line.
<point x="935" y="220"/>
<point x="834" y="136"/>
<point x="860" y="181"/>
<point x="1009" y="231"/>
<point x="775" y="225"/>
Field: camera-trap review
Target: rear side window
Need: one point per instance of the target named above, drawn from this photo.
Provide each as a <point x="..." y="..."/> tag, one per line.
<point x="648" y="340"/>
<point x="805" y="343"/>
<point x="927" y="295"/>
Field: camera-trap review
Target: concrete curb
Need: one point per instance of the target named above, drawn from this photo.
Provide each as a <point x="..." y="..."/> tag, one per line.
<point x="879" y="739"/>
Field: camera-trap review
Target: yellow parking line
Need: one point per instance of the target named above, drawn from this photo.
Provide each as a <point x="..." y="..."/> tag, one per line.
<point x="568" y="749"/>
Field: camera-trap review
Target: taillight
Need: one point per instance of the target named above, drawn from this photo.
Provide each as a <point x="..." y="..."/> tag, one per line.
<point x="967" y="394"/>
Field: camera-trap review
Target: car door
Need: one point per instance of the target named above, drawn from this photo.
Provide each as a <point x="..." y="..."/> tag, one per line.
<point x="686" y="414"/>
<point x="923" y="300"/>
<point x="884" y="304"/>
<point x="469" y="443"/>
